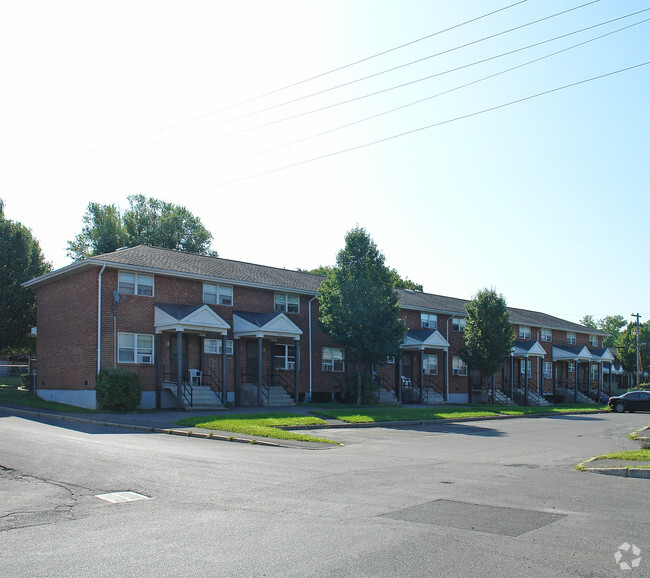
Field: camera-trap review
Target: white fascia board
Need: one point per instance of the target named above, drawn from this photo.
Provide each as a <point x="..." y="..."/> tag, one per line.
<point x="63" y="272"/>
<point x="436" y="341"/>
<point x="282" y="324"/>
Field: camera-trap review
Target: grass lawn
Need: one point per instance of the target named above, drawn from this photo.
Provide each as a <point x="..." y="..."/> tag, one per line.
<point x="258" y="424"/>
<point x="374" y="414"/>
<point x="11" y="394"/>
<point x="632" y="455"/>
<point x="554" y="409"/>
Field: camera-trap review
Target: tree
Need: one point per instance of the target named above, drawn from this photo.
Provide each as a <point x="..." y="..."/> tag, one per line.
<point x="489" y="335"/>
<point x="21" y="259"/>
<point x="626" y="349"/>
<point x="611" y="324"/>
<point x="397" y="281"/>
<point x="147" y="221"/>
<point x="358" y="307"/>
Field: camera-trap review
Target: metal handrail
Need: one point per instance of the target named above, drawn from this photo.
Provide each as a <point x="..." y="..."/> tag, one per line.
<point x="211" y="379"/>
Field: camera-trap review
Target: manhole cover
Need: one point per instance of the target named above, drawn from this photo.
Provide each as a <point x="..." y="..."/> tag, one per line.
<point x="119" y="497"/>
<point x="477" y="517"/>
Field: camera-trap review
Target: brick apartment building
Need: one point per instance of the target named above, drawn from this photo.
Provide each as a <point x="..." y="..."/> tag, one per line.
<point x="202" y="330"/>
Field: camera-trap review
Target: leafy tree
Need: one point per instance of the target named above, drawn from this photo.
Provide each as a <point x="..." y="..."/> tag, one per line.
<point x="147" y="221"/>
<point x="358" y="307"/>
<point x="626" y="349"/>
<point x="21" y="259"/>
<point x="611" y="324"/>
<point x="397" y="281"/>
<point x="489" y="335"/>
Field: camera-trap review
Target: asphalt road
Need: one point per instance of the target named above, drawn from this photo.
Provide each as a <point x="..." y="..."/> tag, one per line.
<point x="486" y="498"/>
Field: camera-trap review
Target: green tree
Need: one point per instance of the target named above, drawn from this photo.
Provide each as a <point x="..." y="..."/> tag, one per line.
<point x="21" y="259"/>
<point x="147" y="221"/>
<point x="611" y="324"/>
<point x="397" y="281"/>
<point x="358" y="307"/>
<point x="626" y="349"/>
<point x="489" y="335"/>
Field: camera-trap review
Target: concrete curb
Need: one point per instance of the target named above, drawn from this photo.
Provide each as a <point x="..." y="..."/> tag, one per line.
<point x="620" y="471"/>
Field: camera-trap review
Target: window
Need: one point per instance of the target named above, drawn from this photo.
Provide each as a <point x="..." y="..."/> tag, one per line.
<point x="593" y="340"/>
<point x="547" y="335"/>
<point x="430" y="363"/>
<point x="458" y="324"/>
<point x="429" y="320"/>
<point x="390" y="361"/>
<point x="570" y="337"/>
<point x="134" y="284"/>
<point x="333" y="359"/>
<point x="134" y="348"/>
<point x="572" y="367"/>
<point x="524" y="332"/>
<point x="286" y="302"/>
<point x="217" y="294"/>
<point x="547" y="370"/>
<point x="214" y="346"/>
<point x="524" y="367"/>
<point x="459" y="367"/>
<point x="284" y="356"/>
<point x="594" y="372"/>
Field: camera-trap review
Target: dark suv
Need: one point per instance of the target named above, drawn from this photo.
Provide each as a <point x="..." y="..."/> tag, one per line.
<point x="631" y="401"/>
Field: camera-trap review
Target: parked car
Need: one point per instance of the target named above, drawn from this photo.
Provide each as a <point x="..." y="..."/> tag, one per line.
<point x="631" y="401"/>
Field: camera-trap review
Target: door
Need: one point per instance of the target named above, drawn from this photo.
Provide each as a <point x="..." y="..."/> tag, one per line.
<point x="173" y="352"/>
<point x="252" y="350"/>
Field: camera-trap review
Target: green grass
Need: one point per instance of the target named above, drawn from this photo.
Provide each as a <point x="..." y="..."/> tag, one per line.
<point x="371" y="415"/>
<point x="259" y="424"/>
<point x="555" y="409"/>
<point x="11" y="394"/>
<point x="630" y="455"/>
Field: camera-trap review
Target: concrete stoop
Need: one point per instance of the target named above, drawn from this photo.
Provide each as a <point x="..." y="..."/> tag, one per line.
<point x="204" y="398"/>
<point x="278" y="397"/>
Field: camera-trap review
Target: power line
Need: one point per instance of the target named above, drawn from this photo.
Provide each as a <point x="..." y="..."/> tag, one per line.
<point x="272" y="92"/>
<point x="304" y="97"/>
<point x="413" y="131"/>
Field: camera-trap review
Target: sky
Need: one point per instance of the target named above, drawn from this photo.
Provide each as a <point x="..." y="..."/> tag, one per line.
<point x="476" y="147"/>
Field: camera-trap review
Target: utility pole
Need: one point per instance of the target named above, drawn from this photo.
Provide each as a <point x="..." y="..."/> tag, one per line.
<point x="638" y="353"/>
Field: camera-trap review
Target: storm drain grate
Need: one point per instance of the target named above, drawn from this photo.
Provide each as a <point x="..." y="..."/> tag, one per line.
<point x="477" y="517"/>
<point x="119" y="497"/>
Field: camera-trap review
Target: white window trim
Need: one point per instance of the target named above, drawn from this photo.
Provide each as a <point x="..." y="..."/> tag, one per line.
<point x="593" y="340"/>
<point x="138" y="356"/>
<point x="572" y="367"/>
<point x="430" y="368"/>
<point x="136" y="283"/>
<point x="458" y="324"/>
<point x="571" y="337"/>
<point x="216" y="350"/>
<point x="287" y="363"/>
<point x="548" y="336"/>
<point x="525" y="332"/>
<point x="328" y="362"/>
<point x="429" y="320"/>
<point x="459" y="367"/>
<point x="218" y="294"/>
<point x="527" y="365"/>
<point x="547" y="370"/>
<point x="283" y="305"/>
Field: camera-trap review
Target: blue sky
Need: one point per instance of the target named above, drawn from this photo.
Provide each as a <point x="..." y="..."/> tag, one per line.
<point x="545" y="200"/>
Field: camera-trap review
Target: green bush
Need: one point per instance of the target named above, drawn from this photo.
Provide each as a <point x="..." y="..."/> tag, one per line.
<point x="118" y="389"/>
<point x="27" y="381"/>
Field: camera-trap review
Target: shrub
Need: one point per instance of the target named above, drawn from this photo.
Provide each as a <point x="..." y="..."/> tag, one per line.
<point x="27" y="381"/>
<point x="118" y="389"/>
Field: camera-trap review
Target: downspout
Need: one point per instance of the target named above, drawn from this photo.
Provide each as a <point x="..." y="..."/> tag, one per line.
<point x="99" y="320"/>
<point x="310" y="367"/>
<point x="446" y="390"/>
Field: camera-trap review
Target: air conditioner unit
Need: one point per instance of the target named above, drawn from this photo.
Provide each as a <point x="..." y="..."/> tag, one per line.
<point x="144" y="359"/>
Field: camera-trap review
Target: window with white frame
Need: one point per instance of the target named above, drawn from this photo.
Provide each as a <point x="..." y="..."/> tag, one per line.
<point x="593" y="340"/>
<point x="134" y="284"/>
<point x="333" y="359"/>
<point x="547" y="370"/>
<point x="547" y="335"/>
<point x="525" y="367"/>
<point x="215" y="346"/>
<point x="458" y="324"/>
<point x="571" y="337"/>
<point x="572" y="367"/>
<point x="217" y="294"/>
<point x="524" y="332"/>
<point x="286" y="302"/>
<point x="594" y="372"/>
<point x="134" y="348"/>
<point x="429" y="320"/>
<point x="430" y="364"/>
<point x="284" y="356"/>
<point x="390" y="361"/>
<point x="458" y="366"/>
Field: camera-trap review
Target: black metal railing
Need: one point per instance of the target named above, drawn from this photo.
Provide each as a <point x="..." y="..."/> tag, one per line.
<point x="281" y="379"/>
<point x="188" y="394"/>
<point x="264" y="391"/>
<point x="214" y="382"/>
